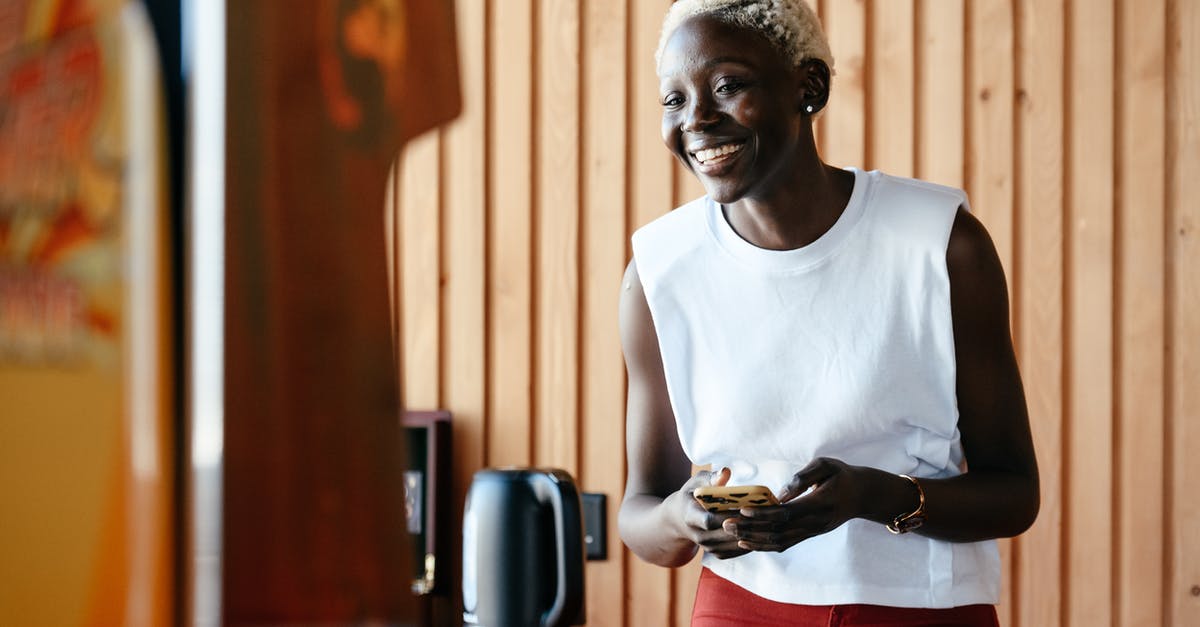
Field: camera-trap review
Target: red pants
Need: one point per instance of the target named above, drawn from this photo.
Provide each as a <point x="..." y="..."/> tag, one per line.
<point x="720" y="603"/>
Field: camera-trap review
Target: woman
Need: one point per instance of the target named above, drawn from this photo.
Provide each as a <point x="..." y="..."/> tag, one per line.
<point x="838" y="336"/>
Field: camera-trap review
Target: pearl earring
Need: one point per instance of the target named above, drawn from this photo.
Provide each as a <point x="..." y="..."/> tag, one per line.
<point x="809" y="109"/>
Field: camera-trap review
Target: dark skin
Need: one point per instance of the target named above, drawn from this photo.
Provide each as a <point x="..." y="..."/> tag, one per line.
<point x="727" y="90"/>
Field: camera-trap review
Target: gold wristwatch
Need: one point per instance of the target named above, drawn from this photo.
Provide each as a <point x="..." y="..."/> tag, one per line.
<point x="905" y="523"/>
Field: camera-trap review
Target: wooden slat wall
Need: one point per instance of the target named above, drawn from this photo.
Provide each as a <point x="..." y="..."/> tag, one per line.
<point x="1037" y="288"/>
<point x="1074" y="126"/>
<point x="1182" y="415"/>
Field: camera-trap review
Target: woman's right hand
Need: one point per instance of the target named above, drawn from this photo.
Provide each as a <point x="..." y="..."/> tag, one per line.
<point x="702" y="527"/>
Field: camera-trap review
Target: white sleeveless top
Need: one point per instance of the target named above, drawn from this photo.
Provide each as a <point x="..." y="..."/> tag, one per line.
<point x="843" y="349"/>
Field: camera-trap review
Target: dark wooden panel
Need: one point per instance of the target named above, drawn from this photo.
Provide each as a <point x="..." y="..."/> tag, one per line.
<point x="313" y="519"/>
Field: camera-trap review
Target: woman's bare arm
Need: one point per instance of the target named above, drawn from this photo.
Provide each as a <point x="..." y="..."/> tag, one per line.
<point x="658" y="520"/>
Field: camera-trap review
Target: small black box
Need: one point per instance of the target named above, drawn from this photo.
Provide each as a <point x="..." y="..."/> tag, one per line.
<point x="595" y="525"/>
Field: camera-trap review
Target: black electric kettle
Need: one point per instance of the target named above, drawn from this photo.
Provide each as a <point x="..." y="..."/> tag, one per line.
<point x="523" y="549"/>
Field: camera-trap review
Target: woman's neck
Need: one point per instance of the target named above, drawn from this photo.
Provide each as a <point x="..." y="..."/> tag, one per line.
<point x="808" y="200"/>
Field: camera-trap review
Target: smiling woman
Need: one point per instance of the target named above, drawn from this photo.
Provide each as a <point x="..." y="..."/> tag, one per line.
<point x="715" y="104"/>
<point x="558" y="157"/>
<point x="738" y="114"/>
<point x="837" y="335"/>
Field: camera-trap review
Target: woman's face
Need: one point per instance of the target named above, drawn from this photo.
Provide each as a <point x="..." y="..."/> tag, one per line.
<point x="730" y="107"/>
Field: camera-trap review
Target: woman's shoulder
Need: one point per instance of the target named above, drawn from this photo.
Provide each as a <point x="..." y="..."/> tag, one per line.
<point x="679" y="217"/>
<point x="914" y="210"/>
<point x="677" y="227"/>
<point x="671" y="238"/>
<point x="919" y="190"/>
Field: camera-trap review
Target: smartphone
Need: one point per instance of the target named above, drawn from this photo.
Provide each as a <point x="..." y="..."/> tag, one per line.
<point x="719" y="498"/>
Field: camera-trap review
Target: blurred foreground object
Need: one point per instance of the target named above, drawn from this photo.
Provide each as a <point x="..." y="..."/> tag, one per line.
<point x="320" y="97"/>
<point x="307" y="452"/>
<point x="85" y="363"/>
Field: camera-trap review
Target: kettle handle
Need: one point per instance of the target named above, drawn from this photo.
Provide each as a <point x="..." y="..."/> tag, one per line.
<point x="568" y="531"/>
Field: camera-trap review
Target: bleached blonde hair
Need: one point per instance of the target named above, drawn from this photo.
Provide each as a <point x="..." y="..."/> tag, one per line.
<point x="790" y="25"/>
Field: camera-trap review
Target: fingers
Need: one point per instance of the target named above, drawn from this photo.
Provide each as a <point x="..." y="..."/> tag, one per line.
<point x="695" y="514"/>
<point x="705" y="478"/>
<point x="709" y="533"/>
<point x="720" y="543"/>
<point x="816" y="472"/>
<point x="732" y="551"/>
<point x="762" y="535"/>
<point x="707" y="527"/>
<point x="773" y="528"/>
<point x="704" y="524"/>
<point x="780" y="527"/>
<point x="704" y="520"/>
<point x="776" y="543"/>
<point x="694" y="509"/>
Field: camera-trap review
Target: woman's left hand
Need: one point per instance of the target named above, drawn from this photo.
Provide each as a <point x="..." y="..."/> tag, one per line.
<point x="836" y="495"/>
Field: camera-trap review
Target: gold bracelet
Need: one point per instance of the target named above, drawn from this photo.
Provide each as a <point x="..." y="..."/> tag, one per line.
<point x="905" y="523"/>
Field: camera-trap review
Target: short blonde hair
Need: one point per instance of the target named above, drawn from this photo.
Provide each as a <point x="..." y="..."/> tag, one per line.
<point x="790" y="25"/>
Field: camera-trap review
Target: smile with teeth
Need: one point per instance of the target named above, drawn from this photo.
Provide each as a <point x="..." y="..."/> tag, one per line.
<point x="710" y="156"/>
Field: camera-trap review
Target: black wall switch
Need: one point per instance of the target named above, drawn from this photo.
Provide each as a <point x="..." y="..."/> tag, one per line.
<point x="595" y="525"/>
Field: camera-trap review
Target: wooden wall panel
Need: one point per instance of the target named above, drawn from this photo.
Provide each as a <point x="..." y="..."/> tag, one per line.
<point x="990" y="120"/>
<point x="1139" y="311"/>
<point x="891" y="98"/>
<point x="420" y="271"/>
<point x="510" y="236"/>
<point x="464" y="246"/>
<point x="602" y="384"/>
<point x="1183" y="311"/>
<point x="843" y="123"/>
<point x="556" y="279"/>
<point x="1037" y="287"/>
<point x="1074" y="126"/>
<point x="1089" y="306"/>
<point x="464" y="250"/>
<point x="941" y="72"/>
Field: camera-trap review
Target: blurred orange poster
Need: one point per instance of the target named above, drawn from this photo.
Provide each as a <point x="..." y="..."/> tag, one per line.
<point x="83" y="360"/>
<point x="62" y="164"/>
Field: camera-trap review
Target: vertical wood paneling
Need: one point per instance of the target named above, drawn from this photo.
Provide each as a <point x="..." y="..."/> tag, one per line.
<point x="556" y="283"/>
<point x="990" y="107"/>
<point x="892" y="96"/>
<point x="843" y="123"/>
<point x="510" y="241"/>
<point x="1089" y="239"/>
<point x="464" y="246"/>
<point x="648" y="588"/>
<point x="1140" y="313"/>
<point x="602" y="389"/>
<point x="652" y="188"/>
<point x="420" y="271"/>
<point x="941" y="55"/>
<point x="463" y="249"/>
<point x="1037" y="287"/>
<point x="1077" y="135"/>
<point x="1183" y="151"/>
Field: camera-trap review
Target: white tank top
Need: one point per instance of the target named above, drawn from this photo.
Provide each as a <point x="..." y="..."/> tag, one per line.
<point x="843" y="348"/>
